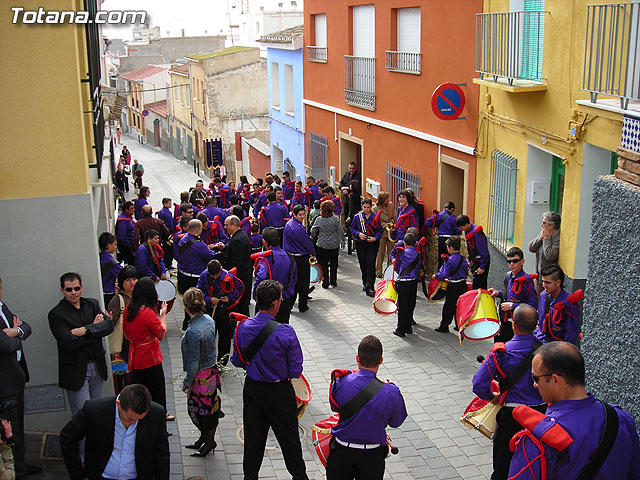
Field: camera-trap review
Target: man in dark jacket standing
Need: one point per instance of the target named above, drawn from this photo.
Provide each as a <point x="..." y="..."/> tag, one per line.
<point x="137" y="425"/>
<point x="13" y="375"/>
<point x="78" y="325"/>
<point x="237" y="253"/>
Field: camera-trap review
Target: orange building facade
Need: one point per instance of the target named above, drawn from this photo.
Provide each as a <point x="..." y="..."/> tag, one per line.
<point x="370" y="72"/>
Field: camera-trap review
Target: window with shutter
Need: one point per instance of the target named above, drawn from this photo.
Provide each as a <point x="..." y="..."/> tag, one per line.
<point x="364" y="31"/>
<point x="532" y="34"/>
<point x="321" y="29"/>
<point x="409" y="30"/>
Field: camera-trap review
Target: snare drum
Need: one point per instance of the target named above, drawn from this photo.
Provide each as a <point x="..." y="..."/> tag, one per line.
<point x="166" y="293"/>
<point x="481" y="416"/>
<point x="303" y="394"/>
<point x="388" y="273"/>
<point x="321" y="436"/>
<point x="477" y="315"/>
<point x="315" y="271"/>
<point x="386" y="298"/>
<point x="437" y="289"/>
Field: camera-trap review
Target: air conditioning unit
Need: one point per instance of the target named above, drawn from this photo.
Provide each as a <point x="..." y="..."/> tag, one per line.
<point x="373" y="188"/>
<point x="332" y="176"/>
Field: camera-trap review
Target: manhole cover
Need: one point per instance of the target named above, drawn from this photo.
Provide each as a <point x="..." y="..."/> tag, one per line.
<point x="272" y="442"/>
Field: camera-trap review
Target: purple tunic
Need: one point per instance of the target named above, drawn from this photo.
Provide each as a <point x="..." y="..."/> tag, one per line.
<point x="403" y="258"/>
<point x="478" y="248"/>
<point x="448" y="267"/>
<point x="274" y="215"/>
<point x="195" y="258"/>
<point x="279" y="358"/>
<point x="584" y="421"/>
<point x="372" y="226"/>
<point x="211" y="287"/>
<point x="145" y="265"/>
<point x="368" y="425"/>
<point x="296" y="240"/>
<point x="278" y="267"/>
<point x="523" y="392"/>
<point x="569" y="319"/>
<point x="526" y="291"/>
<point x="125" y="227"/>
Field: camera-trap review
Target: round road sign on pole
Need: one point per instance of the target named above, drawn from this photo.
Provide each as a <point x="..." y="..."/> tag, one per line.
<point x="145" y="112"/>
<point x="447" y="101"/>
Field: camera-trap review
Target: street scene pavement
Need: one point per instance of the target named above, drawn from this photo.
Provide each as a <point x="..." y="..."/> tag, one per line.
<point x="431" y="369"/>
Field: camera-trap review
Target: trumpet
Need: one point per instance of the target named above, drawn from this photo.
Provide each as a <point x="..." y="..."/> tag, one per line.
<point x="387" y="227"/>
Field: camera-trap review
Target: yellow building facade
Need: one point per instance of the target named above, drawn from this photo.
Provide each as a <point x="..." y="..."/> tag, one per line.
<point x="55" y="183"/>
<point x="180" y="105"/>
<point x="542" y="139"/>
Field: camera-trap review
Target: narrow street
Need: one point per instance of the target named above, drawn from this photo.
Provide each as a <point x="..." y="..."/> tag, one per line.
<point x="432" y="370"/>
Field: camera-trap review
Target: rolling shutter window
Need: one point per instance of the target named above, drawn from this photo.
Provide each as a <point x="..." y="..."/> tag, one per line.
<point x="321" y="29"/>
<point x="409" y="30"/>
<point x="364" y="31"/>
<point x="532" y="34"/>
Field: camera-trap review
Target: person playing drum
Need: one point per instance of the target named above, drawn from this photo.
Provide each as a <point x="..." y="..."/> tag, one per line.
<point x="518" y="288"/>
<point x="407" y="266"/>
<point x="455" y="270"/>
<point x="502" y="364"/>
<point x="149" y="255"/>
<point x="359" y="444"/>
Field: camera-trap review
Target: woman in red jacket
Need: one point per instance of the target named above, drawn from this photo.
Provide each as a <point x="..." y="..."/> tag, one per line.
<point x="144" y="329"/>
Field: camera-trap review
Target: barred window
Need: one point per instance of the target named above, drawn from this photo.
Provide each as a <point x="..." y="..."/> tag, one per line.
<point x="399" y="179"/>
<point x="318" y="155"/>
<point x="502" y="200"/>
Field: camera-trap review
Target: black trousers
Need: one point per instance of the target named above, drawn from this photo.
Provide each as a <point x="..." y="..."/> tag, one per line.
<point x="367" y="253"/>
<point x="302" y="285"/>
<point x="271" y="405"/>
<point x="345" y="463"/>
<point x="480" y="281"/>
<point x="185" y="282"/>
<point x="223" y="328"/>
<point x="243" y="305"/>
<point x="506" y="328"/>
<point x="125" y="254"/>
<point x="153" y="379"/>
<point x="168" y="254"/>
<point x="507" y="428"/>
<point x="15" y="415"/>
<point x="407" y="293"/>
<point x="328" y="260"/>
<point x="454" y="290"/>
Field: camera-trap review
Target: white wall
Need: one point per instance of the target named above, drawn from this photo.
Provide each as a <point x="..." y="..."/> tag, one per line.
<point x="596" y="162"/>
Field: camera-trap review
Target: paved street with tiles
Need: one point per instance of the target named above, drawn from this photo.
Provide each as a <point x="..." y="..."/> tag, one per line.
<point x="431" y="369"/>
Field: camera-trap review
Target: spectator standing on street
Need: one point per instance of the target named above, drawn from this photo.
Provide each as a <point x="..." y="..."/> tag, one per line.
<point x="202" y="379"/>
<point x="546" y="245"/>
<point x="328" y="234"/>
<point x="127" y="279"/>
<point x="384" y="208"/>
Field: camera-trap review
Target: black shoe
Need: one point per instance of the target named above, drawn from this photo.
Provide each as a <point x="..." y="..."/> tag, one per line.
<point x="325" y="286"/>
<point x="334" y="285"/>
<point x="203" y="452"/>
<point x="413" y="322"/>
<point x="398" y="334"/>
<point x="410" y="331"/>
<point x="370" y="293"/>
<point x="442" y="329"/>
<point x="379" y="276"/>
<point x="309" y="298"/>
<point x="456" y="328"/>
<point x="311" y="289"/>
<point x="303" y="309"/>
<point x="364" y="289"/>
<point x="195" y="445"/>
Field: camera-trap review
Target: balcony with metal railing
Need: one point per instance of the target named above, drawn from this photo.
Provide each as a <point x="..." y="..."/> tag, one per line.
<point x="612" y="56"/>
<point x="403" y="62"/>
<point x="360" y="81"/>
<point x="316" y="54"/>
<point x="509" y="50"/>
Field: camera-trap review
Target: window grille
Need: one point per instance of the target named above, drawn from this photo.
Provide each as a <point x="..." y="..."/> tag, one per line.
<point x="502" y="200"/>
<point x="399" y="179"/>
<point x="318" y="155"/>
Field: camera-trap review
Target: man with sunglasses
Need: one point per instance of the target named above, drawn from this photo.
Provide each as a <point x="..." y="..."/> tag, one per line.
<point x="518" y="288"/>
<point x="510" y="365"/>
<point x="577" y="428"/>
<point x="78" y="324"/>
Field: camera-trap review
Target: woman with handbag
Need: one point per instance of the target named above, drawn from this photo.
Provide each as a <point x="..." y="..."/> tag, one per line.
<point x="202" y="379"/>
<point x="127" y="279"/>
<point x="144" y="328"/>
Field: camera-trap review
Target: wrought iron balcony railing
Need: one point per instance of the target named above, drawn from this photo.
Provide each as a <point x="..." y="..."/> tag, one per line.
<point x="612" y="56"/>
<point x="509" y="45"/>
<point x="404" y="62"/>
<point x="360" y="81"/>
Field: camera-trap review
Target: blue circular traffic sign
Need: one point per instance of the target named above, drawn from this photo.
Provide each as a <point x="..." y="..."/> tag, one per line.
<point x="447" y="101"/>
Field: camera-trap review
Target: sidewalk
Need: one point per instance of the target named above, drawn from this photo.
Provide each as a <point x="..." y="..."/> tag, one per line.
<point x="433" y="372"/>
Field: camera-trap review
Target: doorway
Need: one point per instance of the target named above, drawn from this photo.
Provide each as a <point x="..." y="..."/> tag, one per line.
<point x="453" y="180"/>
<point x="350" y="150"/>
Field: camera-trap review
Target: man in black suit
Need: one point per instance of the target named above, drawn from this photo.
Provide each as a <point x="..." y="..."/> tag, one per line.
<point x="126" y="437"/>
<point x="13" y="375"/>
<point x="78" y="325"/>
<point x="238" y="254"/>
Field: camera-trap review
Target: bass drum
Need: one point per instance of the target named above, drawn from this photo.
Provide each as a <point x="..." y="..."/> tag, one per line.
<point x="166" y="291"/>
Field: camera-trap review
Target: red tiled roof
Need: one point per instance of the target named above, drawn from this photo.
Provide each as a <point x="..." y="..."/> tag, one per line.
<point x="142" y="72"/>
<point x="182" y="69"/>
<point x="159" y="107"/>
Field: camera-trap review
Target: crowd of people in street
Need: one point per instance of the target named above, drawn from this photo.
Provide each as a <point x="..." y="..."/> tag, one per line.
<point x="227" y="245"/>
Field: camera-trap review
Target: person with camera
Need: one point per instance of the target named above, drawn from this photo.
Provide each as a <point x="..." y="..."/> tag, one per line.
<point x="13" y="375"/>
